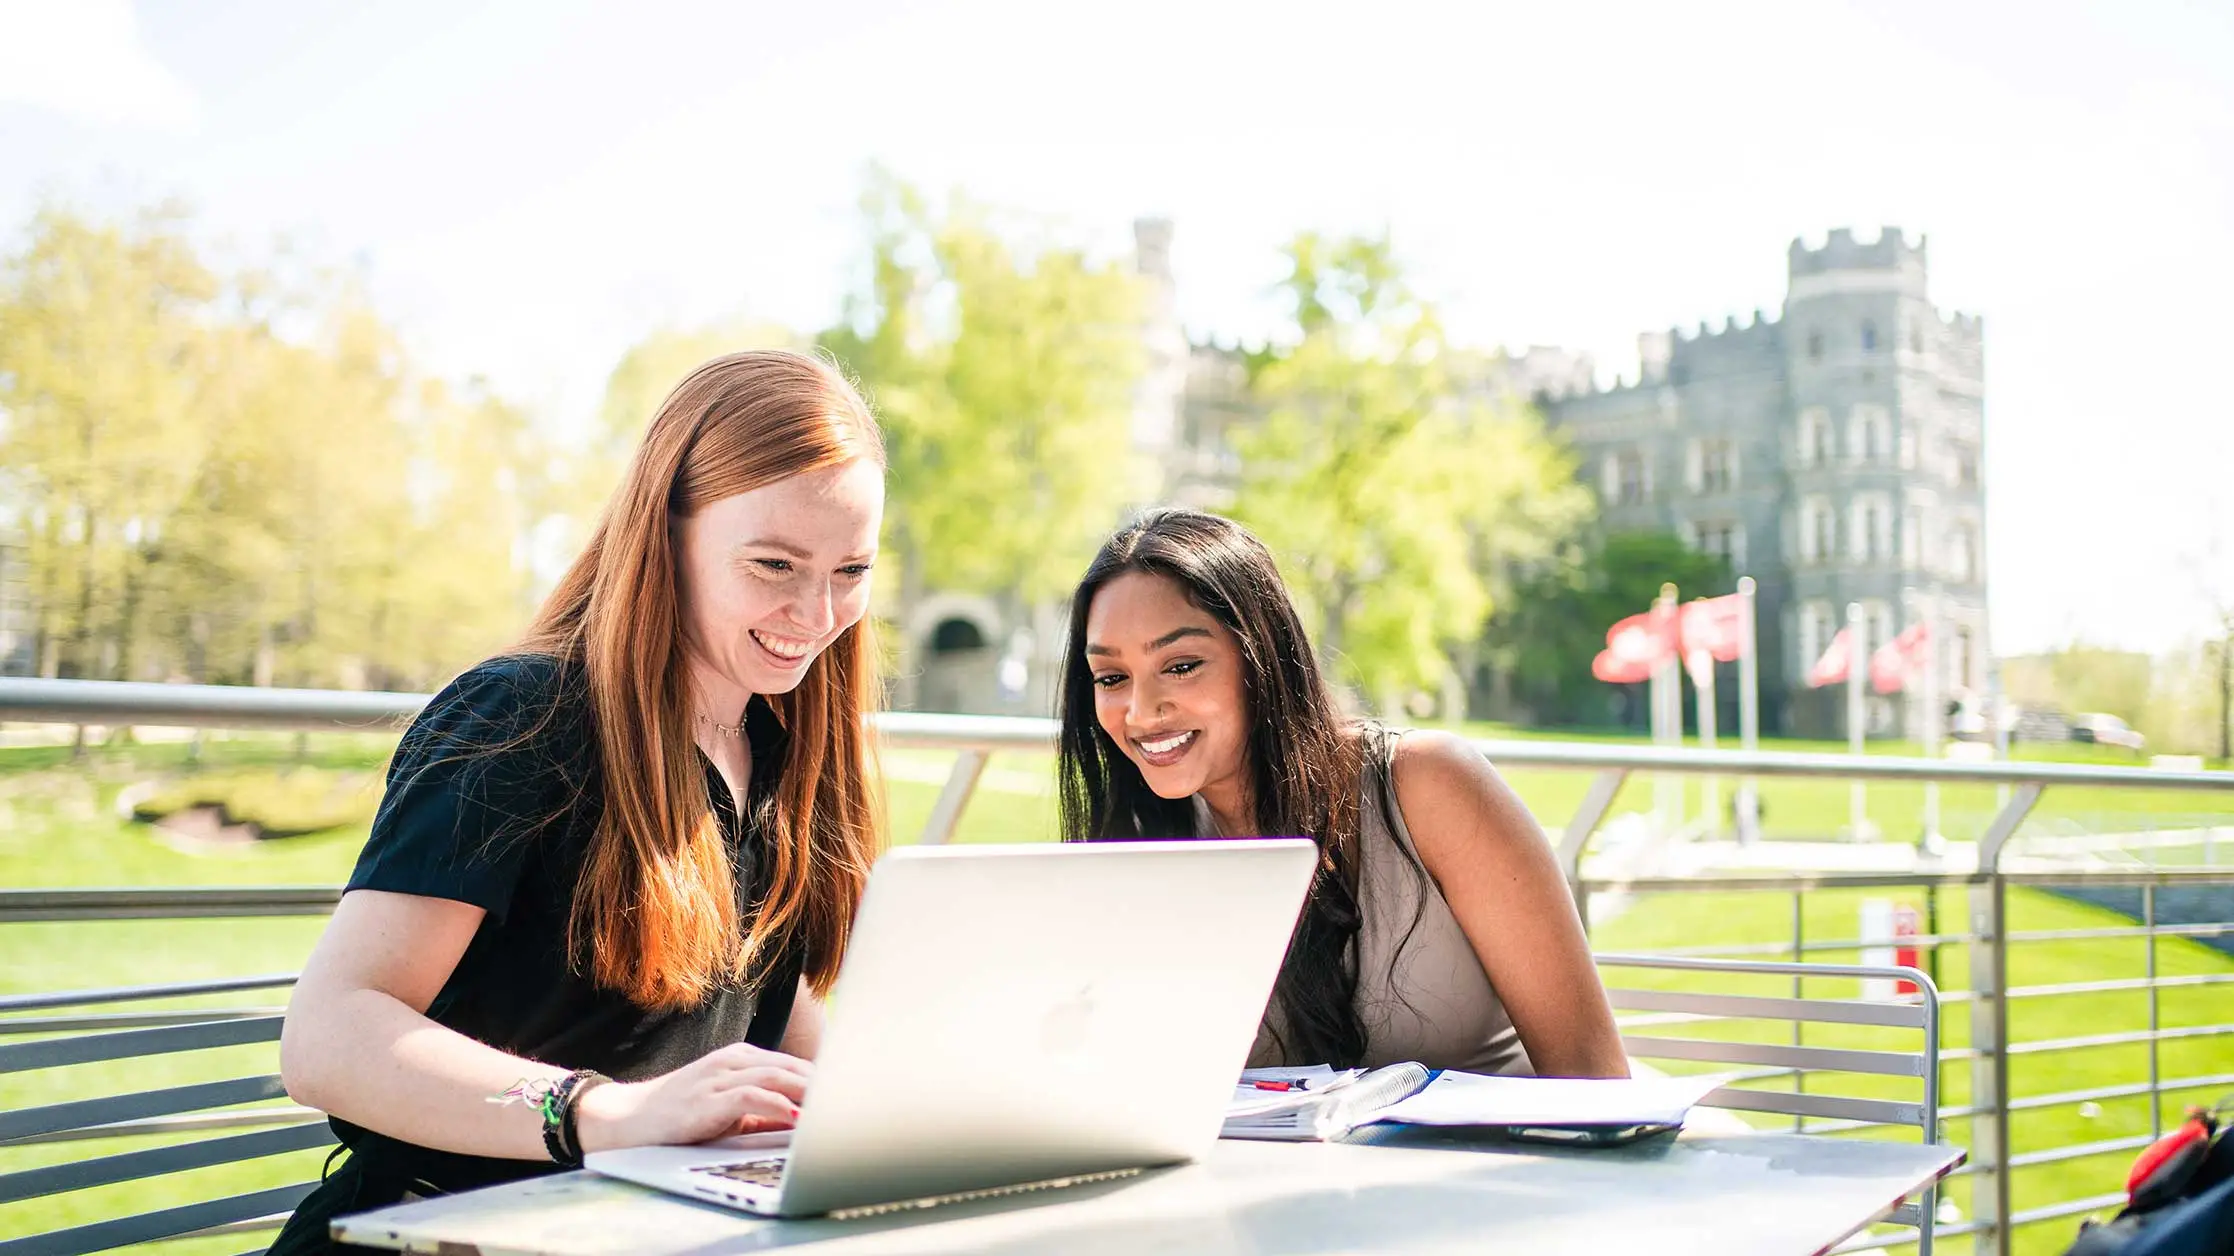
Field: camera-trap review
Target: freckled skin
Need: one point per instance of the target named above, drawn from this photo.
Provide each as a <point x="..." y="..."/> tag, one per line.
<point x="781" y="569"/>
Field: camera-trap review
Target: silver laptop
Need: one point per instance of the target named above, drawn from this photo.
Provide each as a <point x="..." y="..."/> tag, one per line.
<point x="1019" y="1015"/>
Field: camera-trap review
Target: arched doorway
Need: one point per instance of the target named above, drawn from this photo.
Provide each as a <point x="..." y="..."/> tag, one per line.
<point x="959" y="666"/>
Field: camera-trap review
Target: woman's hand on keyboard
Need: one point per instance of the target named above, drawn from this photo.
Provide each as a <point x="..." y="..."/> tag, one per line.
<point x="738" y="1089"/>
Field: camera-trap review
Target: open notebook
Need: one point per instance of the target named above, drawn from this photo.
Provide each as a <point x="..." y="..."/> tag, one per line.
<point x="1323" y="1103"/>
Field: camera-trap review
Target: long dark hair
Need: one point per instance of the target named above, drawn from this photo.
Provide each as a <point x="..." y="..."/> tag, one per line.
<point x="1303" y="761"/>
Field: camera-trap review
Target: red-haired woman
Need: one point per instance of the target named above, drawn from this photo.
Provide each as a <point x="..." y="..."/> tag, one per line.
<point x="614" y="867"/>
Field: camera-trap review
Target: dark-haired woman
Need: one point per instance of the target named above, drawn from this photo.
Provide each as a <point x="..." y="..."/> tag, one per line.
<point x="615" y="868"/>
<point x="1439" y="928"/>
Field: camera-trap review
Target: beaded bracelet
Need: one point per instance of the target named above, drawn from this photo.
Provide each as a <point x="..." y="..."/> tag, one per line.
<point x="560" y="1136"/>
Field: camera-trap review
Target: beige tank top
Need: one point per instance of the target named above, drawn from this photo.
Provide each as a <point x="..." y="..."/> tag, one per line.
<point x="1421" y="991"/>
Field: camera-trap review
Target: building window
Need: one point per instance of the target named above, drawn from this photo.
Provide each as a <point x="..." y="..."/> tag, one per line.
<point x="1877" y="624"/>
<point x="1869" y="337"/>
<point x="1962" y="660"/>
<point x="1815" y="436"/>
<point x="1869" y="435"/>
<point x="1966" y="467"/>
<point x="1714" y="466"/>
<point x="1962" y="553"/>
<point x="1815" y="346"/>
<point x="1915" y="337"/>
<point x="1626" y="481"/>
<point x="1723" y="540"/>
<point x="1872" y="533"/>
<point x="1818" y="624"/>
<point x="1818" y="530"/>
<point x="1911" y="538"/>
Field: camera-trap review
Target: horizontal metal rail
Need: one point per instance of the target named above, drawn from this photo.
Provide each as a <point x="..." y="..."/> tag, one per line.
<point x="1820" y="1059"/>
<point x="167" y="1223"/>
<point x="131" y="1166"/>
<point x="181" y="1123"/>
<point x="102" y="1022"/>
<point x="1781" y="882"/>
<point x="1758" y="1007"/>
<point x="184" y="903"/>
<point x="228" y="706"/>
<point x="125" y="994"/>
<point x="24" y="1123"/>
<point x="134" y="1043"/>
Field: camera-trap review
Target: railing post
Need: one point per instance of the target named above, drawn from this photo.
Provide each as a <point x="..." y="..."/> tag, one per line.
<point x="1989" y="1067"/>
<point x="946" y="813"/>
<point x="1576" y="838"/>
<point x="1799" y="990"/>
<point x="1990" y="1196"/>
<point x="2156" y="1014"/>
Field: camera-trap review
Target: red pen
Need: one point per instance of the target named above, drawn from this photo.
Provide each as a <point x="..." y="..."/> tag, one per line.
<point x="1295" y="1085"/>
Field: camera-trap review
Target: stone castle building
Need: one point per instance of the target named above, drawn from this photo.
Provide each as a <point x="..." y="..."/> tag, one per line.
<point x="1832" y="453"/>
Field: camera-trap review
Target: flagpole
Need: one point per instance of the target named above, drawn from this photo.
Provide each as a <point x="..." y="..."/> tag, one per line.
<point x="1749" y="714"/>
<point x="1857" y="662"/>
<point x="1702" y="681"/>
<point x="1668" y="684"/>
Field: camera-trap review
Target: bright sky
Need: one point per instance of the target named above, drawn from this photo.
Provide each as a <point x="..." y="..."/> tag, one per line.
<point x="531" y="186"/>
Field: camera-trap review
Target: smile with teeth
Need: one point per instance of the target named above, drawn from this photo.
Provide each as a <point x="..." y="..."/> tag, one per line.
<point x="1166" y="748"/>
<point x="789" y="649"/>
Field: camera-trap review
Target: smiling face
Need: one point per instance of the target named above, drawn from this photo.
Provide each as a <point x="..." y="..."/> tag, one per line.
<point x="768" y="578"/>
<point x="1168" y="690"/>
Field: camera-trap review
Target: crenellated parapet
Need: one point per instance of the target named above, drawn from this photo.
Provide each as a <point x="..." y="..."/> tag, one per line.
<point x="1843" y="251"/>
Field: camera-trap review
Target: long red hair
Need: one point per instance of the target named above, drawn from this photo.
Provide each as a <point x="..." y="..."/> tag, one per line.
<point x="656" y="910"/>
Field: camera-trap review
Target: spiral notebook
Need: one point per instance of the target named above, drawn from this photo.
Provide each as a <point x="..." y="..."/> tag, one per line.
<point x="1320" y="1103"/>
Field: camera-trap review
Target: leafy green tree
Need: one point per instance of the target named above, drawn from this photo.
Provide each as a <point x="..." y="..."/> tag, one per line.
<point x="640" y="381"/>
<point x="1394" y="495"/>
<point x="239" y="477"/>
<point x="101" y="362"/>
<point x="1003" y="366"/>
<point x="1547" y="633"/>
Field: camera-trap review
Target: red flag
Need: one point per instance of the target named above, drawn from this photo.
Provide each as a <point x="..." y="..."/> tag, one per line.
<point x="1615" y="670"/>
<point x="1715" y="625"/>
<point x="1635" y="646"/>
<point x="1831" y="668"/>
<point x="1891" y="663"/>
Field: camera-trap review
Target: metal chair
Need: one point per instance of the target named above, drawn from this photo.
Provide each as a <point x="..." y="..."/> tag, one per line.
<point x="1764" y="1061"/>
<point x="273" y="1130"/>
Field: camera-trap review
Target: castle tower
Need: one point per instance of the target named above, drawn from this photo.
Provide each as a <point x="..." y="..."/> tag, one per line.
<point x="1886" y="501"/>
<point x="1163" y="381"/>
<point x="1832" y="453"/>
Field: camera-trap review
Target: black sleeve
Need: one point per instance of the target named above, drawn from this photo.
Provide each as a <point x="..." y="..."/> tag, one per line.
<point x="495" y="760"/>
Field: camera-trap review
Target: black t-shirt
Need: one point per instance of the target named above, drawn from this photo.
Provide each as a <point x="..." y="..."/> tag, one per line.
<point x="492" y="799"/>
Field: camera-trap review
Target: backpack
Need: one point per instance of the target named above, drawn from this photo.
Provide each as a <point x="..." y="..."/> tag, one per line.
<point x="2180" y="1196"/>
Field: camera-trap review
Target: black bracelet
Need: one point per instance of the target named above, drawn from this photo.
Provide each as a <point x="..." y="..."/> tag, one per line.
<point x="568" y="1129"/>
<point x="560" y="1138"/>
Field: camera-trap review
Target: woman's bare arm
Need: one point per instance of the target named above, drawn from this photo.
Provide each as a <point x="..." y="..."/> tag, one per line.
<point x="358" y="1044"/>
<point x="1497" y="871"/>
<point x="802" y="1037"/>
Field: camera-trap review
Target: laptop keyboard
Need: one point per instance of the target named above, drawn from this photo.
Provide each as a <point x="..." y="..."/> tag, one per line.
<point x="766" y="1171"/>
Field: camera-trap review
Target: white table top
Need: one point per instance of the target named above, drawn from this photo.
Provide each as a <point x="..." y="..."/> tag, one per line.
<point x="1743" y="1195"/>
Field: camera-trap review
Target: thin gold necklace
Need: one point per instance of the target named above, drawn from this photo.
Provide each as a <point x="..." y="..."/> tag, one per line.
<point x="726" y="730"/>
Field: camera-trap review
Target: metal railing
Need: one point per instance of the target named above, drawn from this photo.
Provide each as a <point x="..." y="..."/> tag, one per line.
<point x="1775" y="1061"/>
<point x="1986" y="937"/>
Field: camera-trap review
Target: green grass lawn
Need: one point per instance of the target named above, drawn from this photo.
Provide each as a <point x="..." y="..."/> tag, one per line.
<point x="60" y="826"/>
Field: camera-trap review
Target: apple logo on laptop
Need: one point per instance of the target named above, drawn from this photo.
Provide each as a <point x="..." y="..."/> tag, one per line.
<point x="1064" y="1030"/>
